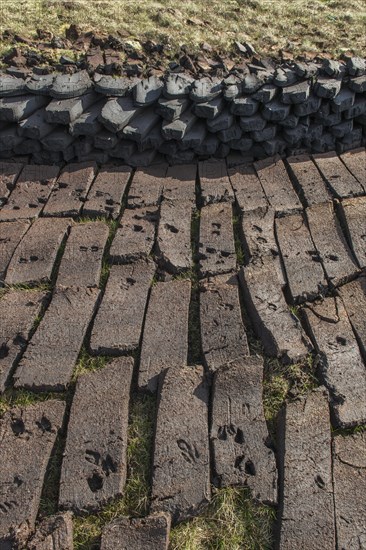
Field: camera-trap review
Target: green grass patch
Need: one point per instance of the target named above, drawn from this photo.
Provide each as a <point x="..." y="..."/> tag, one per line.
<point x="295" y="27"/>
<point x="231" y="522"/>
<point x="87" y="530"/>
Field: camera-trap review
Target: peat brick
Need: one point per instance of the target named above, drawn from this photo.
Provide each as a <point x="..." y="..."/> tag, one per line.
<point x="177" y="85"/>
<point x="70" y="85"/>
<point x="40" y="84"/>
<point x="81" y="263"/>
<point x="307" y="518"/>
<point x="336" y="346"/>
<point x="354" y="218"/>
<point x="53" y="350"/>
<point x="147" y="91"/>
<point x="141" y="125"/>
<point x="334" y="253"/>
<point x="9" y="173"/>
<point x="327" y="87"/>
<point x="241" y="443"/>
<point x="216" y="246"/>
<point x="178" y="127"/>
<point x="147" y="186"/>
<point x="279" y="330"/>
<point x="247" y="187"/>
<point x="223" y="121"/>
<point x="105" y="140"/>
<point x="342" y="183"/>
<point x="19" y="310"/>
<point x="210" y="109"/>
<point x="244" y="106"/>
<point x="171" y="109"/>
<point x="118" y="323"/>
<point x="135" y="235"/>
<point x="355" y="161"/>
<point x="275" y="111"/>
<point x="259" y="240"/>
<point x="106" y="193"/>
<point x="65" y="111"/>
<point x="165" y="336"/>
<point x="31" y="192"/>
<point x="310" y="185"/>
<point x="180" y="183"/>
<point x="357" y="109"/>
<point x="113" y="86"/>
<point x="34" y="258"/>
<point x="94" y="466"/>
<point x="353" y="295"/>
<point x="117" y="113"/>
<point x="308" y="107"/>
<point x="277" y="186"/>
<point x="11" y="86"/>
<point x="205" y="89"/>
<point x="266" y="93"/>
<point x="358" y="84"/>
<point x="35" y="126"/>
<point x="297" y="93"/>
<point x="53" y="533"/>
<point x="14" y="109"/>
<point x="269" y="132"/>
<point x="181" y="463"/>
<point x="304" y="272"/>
<point x="27" y="438"/>
<point x="151" y="532"/>
<point x="174" y="236"/>
<point x="222" y="331"/>
<point x="344" y="100"/>
<point x="349" y="474"/>
<point x="214" y="182"/>
<point x="87" y="124"/>
<point x="59" y="140"/>
<point x="11" y="235"/>
<point x="69" y="193"/>
<point x="252" y="123"/>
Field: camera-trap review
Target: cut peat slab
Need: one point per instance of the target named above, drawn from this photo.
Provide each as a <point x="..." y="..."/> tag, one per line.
<point x="69" y="193"/>
<point x="35" y="257"/>
<point x="181" y="463"/>
<point x="280" y="332"/>
<point x="340" y="180"/>
<point x="53" y="533"/>
<point x="248" y="189"/>
<point x="277" y="186"/>
<point x="356" y="163"/>
<point x="215" y="183"/>
<point x="304" y="272"/>
<point x="353" y="212"/>
<point x="135" y="235"/>
<point x="11" y="235"/>
<point x="27" y="437"/>
<point x="81" y="262"/>
<point x="349" y="473"/>
<point x="222" y="331"/>
<point x="239" y="435"/>
<point x="19" y="310"/>
<point x="354" y="298"/>
<point x="151" y="532"/>
<point x="147" y="186"/>
<point x="341" y="365"/>
<point x="216" y="243"/>
<point x="308" y="180"/>
<point x="118" y="323"/>
<point x="52" y="352"/>
<point x="94" y="467"/>
<point x="259" y="240"/>
<point x="165" y="336"/>
<point x="30" y="193"/>
<point x="334" y="253"/>
<point x="307" y="511"/>
<point x="106" y="193"/>
<point x="9" y="172"/>
<point x="174" y="236"/>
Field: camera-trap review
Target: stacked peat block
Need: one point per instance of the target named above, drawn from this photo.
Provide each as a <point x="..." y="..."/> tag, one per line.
<point x="259" y="113"/>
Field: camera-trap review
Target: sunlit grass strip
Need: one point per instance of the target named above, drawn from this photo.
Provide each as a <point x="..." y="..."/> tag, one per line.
<point x="231" y="522"/>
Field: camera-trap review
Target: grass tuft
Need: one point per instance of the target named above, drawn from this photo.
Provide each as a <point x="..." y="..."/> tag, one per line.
<point x="231" y="521"/>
